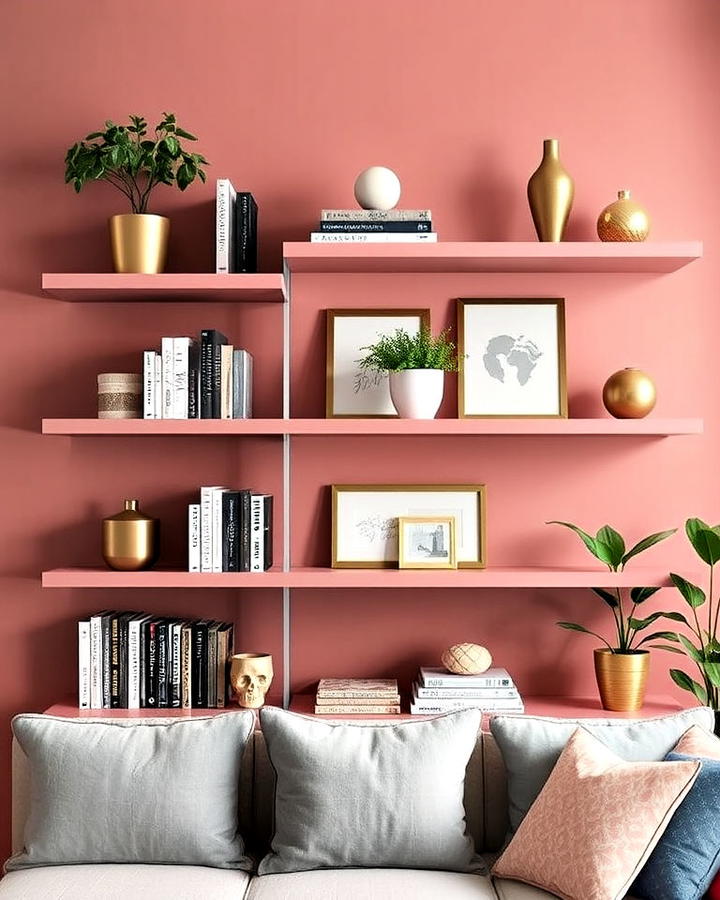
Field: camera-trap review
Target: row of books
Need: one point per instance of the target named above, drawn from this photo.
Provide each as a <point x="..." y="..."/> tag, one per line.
<point x="236" y="234"/>
<point x="230" y="531"/>
<point x="191" y="379"/>
<point x="438" y="691"/>
<point x="353" y="696"/>
<point x="131" y="660"/>
<point x="358" y="226"/>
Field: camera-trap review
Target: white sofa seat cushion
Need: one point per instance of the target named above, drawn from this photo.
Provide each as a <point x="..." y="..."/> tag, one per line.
<point x="371" y="884"/>
<point x="121" y="881"/>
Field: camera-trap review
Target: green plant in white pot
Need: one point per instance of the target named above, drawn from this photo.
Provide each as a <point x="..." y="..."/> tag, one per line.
<point x="416" y="364"/>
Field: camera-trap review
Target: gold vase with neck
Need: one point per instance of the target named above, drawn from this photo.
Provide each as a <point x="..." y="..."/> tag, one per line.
<point x="550" y="194"/>
<point x="621" y="679"/>
<point x="623" y="220"/>
<point x="139" y="242"/>
<point x="130" y="539"/>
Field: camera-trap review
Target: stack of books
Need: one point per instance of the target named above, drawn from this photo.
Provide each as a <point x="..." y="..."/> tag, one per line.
<point x="357" y="696"/>
<point x="375" y="226"/>
<point x="439" y="691"/>
<point x="230" y="531"/>
<point x="197" y="379"/>
<point x="236" y="233"/>
<point x="131" y="660"/>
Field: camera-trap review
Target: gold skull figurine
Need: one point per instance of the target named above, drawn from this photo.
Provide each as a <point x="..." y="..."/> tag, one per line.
<point x="251" y="675"/>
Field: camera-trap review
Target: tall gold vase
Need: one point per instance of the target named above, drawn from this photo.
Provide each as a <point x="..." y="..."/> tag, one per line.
<point x="621" y="679"/>
<point x="550" y="194"/>
<point x="139" y="242"/>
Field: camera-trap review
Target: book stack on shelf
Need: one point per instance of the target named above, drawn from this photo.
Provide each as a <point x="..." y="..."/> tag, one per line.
<point x="230" y="531"/>
<point x="375" y="226"/>
<point x="197" y="379"/>
<point x="236" y="233"/>
<point x="131" y="660"/>
<point x="439" y="691"/>
<point x="357" y="696"/>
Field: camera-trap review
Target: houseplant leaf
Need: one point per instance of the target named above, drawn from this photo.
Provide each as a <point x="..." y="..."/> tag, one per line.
<point x="694" y="595"/>
<point x="641" y="594"/>
<point x="684" y="681"/>
<point x="572" y="626"/>
<point x="640" y="624"/>
<point x="661" y="636"/>
<point x="704" y="540"/>
<point x="646" y="543"/>
<point x="614" y="543"/>
<point x="609" y="598"/>
<point x="692" y="651"/>
<point x="586" y="538"/>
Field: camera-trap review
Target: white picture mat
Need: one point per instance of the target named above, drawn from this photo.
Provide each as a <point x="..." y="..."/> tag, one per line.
<point x="485" y="394"/>
<point x="367" y="530"/>
<point x="357" y="391"/>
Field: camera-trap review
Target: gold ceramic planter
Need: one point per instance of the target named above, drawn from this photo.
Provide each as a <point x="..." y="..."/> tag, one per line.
<point x="621" y="679"/>
<point x="139" y="242"/>
<point x="130" y="539"/>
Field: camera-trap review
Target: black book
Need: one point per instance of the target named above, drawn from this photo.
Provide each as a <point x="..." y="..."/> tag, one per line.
<point x="212" y="664"/>
<point x="194" y="381"/>
<point x="230" y="531"/>
<point x="175" y="690"/>
<point x="115" y="661"/>
<point x="105" y="629"/>
<point x="162" y="664"/>
<point x="123" y="623"/>
<point x="150" y="672"/>
<point x="199" y="667"/>
<point x="268" y="531"/>
<point x="210" y="370"/>
<point x="244" y="548"/>
<point x="409" y="227"/>
<point x="246" y="234"/>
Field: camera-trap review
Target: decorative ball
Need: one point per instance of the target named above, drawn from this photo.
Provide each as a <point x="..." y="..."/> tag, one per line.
<point x="466" y="659"/>
<point x="629" y="394"/>
<point x="623" y="220"/>
<point x="377" y="188"/>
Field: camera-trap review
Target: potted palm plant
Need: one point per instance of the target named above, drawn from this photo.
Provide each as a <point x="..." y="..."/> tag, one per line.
<point x="416" y="364"/>
<point x="621" y="667"/>
<point x="135" y="164"/>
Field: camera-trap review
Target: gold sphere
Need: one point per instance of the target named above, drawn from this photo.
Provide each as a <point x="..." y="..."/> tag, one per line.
<point x="629" y="394"/>
<point x="623" y="220"/>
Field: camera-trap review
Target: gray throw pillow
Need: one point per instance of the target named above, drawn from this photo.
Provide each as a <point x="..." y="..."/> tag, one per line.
<point x="531" y="745"/>
<point x="351" y="795"/>
<point x="133" y="791"/>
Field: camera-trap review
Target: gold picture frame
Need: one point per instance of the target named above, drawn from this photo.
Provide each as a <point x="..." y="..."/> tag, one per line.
<point x="331" y="316"/>
<point x="432" y="560"/>
<point x="474" y="555"/>
<point x="562" y="400"/>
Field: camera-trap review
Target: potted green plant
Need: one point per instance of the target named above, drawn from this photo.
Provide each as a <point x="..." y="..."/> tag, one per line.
<point x="621" y="667"/>
<point x="135" y="164"/>
<point x="416" y="364"/>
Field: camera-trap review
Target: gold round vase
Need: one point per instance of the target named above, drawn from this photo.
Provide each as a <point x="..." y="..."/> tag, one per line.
<point x="550" y="194"/>
<point x="130" y="539"/>
<point x="139" y="242"/>
<point x="621" y="679"/>
<point x="623" y="220"/>
<point x="629" y="394"/>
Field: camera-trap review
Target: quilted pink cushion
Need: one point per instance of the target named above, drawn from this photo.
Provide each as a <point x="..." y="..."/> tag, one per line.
<point x="595" y="821"/>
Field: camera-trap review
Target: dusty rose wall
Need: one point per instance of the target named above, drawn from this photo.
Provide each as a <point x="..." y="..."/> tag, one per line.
<point x="292" y="99"/>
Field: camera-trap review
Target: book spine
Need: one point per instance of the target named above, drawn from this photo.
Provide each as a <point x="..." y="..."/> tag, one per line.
<point x="216" y="527"/>
<point x="194" y="537"/>
<point x="95" y="662"/>
<point x="252" y="248"/>
<point x="162" y="665"/>
<point x="242" y="226"/>
<point x="194" y="381"/>
<point x="175" y="697"/>
<point x="168" y="378"/>
<point x="206" y="554"/>
<point x="123" y="668"/>
<point x="84" y="665"/>
<point x="245" y="531"/>
<point x="515" y="705"/>
<point x="105" y="629"/>
<point x="150" y="674"/>
<point x="226" y="381"/>
<point x="206" y="376"/>
<point x="230" y="529"/>
<point x="391" y="700"/>
<point x="248" y="387"/>
<point x="212" y="667"/>
<point x="238" y="384"/>
<point x="319" y="237"/>
<point x="133" y="664"/>
<point x="428" y="707"/>
<point x="222" y="655"/>
<point x="257" y="541"/>
<point x="384" y="696"/>
<point x="149" y="384"/>
<point x="185" y="666"/>
<point x="158" y="386"/>
<point x="181" y="377"/>
<point x="425" y="693"/>
<point x="393" y="710"/>
<point x="216" y="380"/>
<point x="267" y="532"/>
<point x="222" y="226"/>
<point x="199" y="665"/>
<point x="410" y="226"/>
<point x="115" y="662"/>
<point x="376" y="215"/>
<point x="472" y="681"/>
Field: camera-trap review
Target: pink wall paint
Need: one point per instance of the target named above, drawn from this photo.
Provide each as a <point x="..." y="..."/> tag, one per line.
<point x="292" y="99"/>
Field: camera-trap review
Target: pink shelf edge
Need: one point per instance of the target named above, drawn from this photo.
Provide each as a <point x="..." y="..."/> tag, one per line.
<point x="86" y="285"/>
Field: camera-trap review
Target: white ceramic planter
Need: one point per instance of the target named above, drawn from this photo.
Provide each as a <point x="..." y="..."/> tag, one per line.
<point x="417" y="393"/>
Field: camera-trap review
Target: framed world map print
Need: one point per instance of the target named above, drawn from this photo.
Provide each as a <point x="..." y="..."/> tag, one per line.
<point x="512" y="358"/>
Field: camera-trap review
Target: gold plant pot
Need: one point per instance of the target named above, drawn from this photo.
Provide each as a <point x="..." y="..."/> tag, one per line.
<point x="130" y="539"/>
<point x="621" y="679"/>
<point x="139" y="242"/>
<point x="629" y="394"/>
<point x="623" y="220"/>
<point x="550" y="194"/>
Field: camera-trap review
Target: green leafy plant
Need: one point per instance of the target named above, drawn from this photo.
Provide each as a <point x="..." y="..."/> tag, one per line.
<point x="127" y="159"/>
<point x="399" y="351"/>
<point x="608" y="546"/>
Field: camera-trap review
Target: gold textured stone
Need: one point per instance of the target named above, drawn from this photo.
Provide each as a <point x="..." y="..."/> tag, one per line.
<point x="629" y="394"/>
<point x="466" y="659"/>
<point x="139" y="242"/>
<point x="623" y="220"/>
<point x="550" y="194"/>
<point x="621" y="679"/>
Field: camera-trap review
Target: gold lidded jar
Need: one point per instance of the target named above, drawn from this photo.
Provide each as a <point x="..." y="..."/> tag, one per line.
<point x="623" y="220"/>
<point x="130" y="539"/>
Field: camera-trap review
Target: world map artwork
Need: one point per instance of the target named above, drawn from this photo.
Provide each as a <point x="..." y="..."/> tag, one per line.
<point x="520" y="353"/>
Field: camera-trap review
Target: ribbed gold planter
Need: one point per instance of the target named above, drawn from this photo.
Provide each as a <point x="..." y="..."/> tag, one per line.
<point x="621" y="679"/>
<point x="139" y="242"/>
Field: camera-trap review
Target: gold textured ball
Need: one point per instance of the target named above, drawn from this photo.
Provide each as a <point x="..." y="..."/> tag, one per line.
<point x="466" y="659"/>
<point x="623" y="220"/>
<point x="629" y="394"/>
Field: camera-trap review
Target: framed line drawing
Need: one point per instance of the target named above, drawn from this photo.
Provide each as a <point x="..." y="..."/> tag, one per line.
<point x="426" y="542"/>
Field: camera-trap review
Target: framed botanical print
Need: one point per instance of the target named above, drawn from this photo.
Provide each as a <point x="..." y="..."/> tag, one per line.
<point x="365" y="521"/>
<point x="426" y="542"/>
<point x="351" y="391"/>
<point x="512" y="355"/>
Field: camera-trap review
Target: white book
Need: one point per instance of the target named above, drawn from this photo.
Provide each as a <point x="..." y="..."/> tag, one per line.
<point x="84" y="665"/>
<point x="224" y="225"/>
<point x="158" y="387"/>
<point x="133" y="660"/>
<point x="181" y="376"/>
<point x="376" y="215"/>
<point x="206" y="553"/>
<point x="216" y="527"/>
<point x="433" y="707"/>
<point x="257" y="537"/>
<point x="194" y="552"/>
<point x="168" y="378"/>
<point x="436" y="677"/>
<point x="242" y="384"/>
<point x="226" y="381"/>
<point x="355" y="237"/>
<point x="461" y="693"/>
<point x="96" y="679"/>
<point x="149" y="384"/>
<point x="515" y="705"/>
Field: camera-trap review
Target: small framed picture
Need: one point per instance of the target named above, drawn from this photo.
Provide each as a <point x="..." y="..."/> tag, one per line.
<point x="351" y="391"/>
<point x="426" y="542"/>
<point x="513" y="358"/>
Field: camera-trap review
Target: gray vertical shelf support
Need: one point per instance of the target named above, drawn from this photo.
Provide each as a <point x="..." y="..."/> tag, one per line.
<point x="286" y="488"/>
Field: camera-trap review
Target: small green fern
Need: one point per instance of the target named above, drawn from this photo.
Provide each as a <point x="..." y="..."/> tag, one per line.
<point x="398" y="351"/>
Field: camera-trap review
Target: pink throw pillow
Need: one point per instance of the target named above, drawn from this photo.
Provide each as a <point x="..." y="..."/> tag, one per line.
<point x="595" y="822"/>
<point x="698" y="742"/>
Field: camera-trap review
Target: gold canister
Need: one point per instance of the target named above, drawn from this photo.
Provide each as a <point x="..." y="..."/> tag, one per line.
<point x="629" y="394"/>
<point x="130" y="539"/>
<point x="621" y="678"/>
<point x="550" y="194"/>
<point x="139" y="242"/>
<point x="623" y="220"/>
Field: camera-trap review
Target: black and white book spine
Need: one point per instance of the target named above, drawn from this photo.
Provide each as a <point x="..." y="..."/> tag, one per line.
<point x="181" y="377"/>
<point x="185" y="666"/>
<point x="151" y="666"/>
<point x="168" y="377"/>
<point x="149" y="384"/>
<point x="133" y="663"/>
<point x="162" y="664"/>
<point x="199" y="664"/>
<point x="212" y="664"/>
<point x="96" y="661"/>
<point x="408" y="227"/>
<point x="430" y="707"/>
<point x="376" y="215"/>
<point x="245" y="530"/>
<point x="158" y="386"/>
<point x="115" y="661"/>
<point x="194" y="382"/>
<point x="226" y="381"/>
<point x="217" y="529"/>
<point x="257" y="538"/>
<point x="319" y="237"/>
<point x="124" y="628"/>
<point x="224" y="226"/>
<point x="176" y="664"/>
<point x="84" y="664"/>
<point x="106" y="649"/>
<point x="438" y="678"/>
<point x="206" y="533"/>
<point x="267" y="531"/>
<point x="194" y="540"/>
<point x="246" y="213"/>
<point x="230" y="531"/>
<point x="242" y="384"/>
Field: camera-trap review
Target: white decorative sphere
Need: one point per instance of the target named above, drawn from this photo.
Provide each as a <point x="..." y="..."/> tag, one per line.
<point x="377" y="188"/>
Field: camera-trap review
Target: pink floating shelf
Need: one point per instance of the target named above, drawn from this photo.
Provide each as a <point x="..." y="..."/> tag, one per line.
<point x="161" y="578"/>
<point x="649" y="427"/>
<point x="492" y="256"/>
<point x="111" y="287"/>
